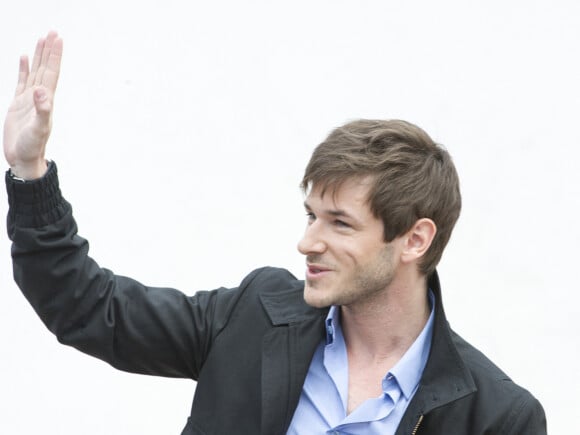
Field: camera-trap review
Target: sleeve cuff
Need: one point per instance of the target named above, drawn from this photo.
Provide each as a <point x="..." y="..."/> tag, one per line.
<point x="35" y="203"/>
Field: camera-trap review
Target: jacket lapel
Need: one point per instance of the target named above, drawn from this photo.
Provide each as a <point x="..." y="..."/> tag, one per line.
<point x="287" y="350"/>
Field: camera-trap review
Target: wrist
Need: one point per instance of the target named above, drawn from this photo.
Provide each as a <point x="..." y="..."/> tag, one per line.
<point x="29" y="171"/>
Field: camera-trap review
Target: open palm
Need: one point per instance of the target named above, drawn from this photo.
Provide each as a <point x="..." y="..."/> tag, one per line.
<point x="28" y="121"/>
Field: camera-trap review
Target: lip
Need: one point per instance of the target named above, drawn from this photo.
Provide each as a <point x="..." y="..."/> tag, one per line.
<point x="315" y="271"/>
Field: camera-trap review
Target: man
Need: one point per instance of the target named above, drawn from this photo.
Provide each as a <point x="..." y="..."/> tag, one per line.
<point x="361" y="347"/>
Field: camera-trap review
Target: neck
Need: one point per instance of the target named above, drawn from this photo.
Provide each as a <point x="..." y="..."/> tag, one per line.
<point x="385" y="326"/>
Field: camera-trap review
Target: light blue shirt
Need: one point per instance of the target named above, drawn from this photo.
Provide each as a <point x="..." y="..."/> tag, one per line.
<point x="323" y="402"/>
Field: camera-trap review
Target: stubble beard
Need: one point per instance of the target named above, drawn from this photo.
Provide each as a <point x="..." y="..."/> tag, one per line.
<point x="366" y="282"/>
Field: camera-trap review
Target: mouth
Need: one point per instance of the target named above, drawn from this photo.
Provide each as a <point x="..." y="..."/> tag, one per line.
<point x="316" y="271"/>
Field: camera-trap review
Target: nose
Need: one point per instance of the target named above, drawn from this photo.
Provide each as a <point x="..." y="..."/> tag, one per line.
<point x="312" y="242"/>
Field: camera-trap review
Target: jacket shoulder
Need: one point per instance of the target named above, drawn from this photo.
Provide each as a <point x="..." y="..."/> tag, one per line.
<point x="270" y="279"/>
<point x="513" y="408"/>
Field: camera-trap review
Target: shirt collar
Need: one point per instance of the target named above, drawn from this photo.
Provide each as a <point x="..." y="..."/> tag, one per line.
<point x="331" y="322"/>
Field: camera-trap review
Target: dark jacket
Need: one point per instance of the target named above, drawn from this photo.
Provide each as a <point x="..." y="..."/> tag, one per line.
<point x="249" y="348"/>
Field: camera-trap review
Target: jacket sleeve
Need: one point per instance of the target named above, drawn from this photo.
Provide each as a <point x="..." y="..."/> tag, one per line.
<point x="133" y="327"/>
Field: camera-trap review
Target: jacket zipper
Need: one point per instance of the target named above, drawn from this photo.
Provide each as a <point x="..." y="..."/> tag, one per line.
<point x="416" y="428"/>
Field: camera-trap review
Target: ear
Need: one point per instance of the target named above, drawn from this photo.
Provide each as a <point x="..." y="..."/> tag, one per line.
<point x="418" y="240"/>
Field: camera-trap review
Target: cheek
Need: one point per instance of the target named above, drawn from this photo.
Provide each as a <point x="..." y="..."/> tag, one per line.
<point x="358" y="252"/>
<point x="346" y="254"/>
<point x="371" y="255"/>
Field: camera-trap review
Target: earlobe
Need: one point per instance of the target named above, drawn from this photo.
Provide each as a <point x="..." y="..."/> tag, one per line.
<point x="418" y="240"/>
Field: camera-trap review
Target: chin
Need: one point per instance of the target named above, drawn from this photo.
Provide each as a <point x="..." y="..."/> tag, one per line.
<point x="315" y="299"/>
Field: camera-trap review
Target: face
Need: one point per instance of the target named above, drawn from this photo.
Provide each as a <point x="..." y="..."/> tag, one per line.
<point x="347" y="259"/>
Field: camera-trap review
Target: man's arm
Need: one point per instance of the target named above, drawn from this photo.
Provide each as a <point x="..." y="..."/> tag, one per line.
<point x="133" y="327"/>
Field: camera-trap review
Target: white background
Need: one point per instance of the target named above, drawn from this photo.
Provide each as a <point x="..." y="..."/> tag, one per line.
<point x="182" y="129"/>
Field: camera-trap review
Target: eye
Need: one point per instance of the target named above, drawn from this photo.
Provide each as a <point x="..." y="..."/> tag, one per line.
<point x="340" y="223"/>
<point x="310" y="217"/>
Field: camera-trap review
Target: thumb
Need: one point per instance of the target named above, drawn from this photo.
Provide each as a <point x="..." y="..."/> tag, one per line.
<point x="42" y="103"/>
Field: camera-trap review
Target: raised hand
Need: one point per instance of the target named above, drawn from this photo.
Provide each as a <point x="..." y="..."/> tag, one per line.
<point x="28" y="121"/>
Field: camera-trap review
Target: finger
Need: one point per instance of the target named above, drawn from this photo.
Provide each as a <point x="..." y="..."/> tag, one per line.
<point x="48" y="44"/>
<point x="22" y="75"/>
<point x="42" y="104"/>
<point x="35" y="62"/>
<point x="46" y="49"/>
<point x="52" y="71"/>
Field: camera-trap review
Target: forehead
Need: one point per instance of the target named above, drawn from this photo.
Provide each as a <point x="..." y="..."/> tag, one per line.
<point x="351" y="193"/>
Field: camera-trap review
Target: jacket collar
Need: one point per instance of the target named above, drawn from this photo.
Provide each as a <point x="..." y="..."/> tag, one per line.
<point x="288" y="306"/>
<point x="446" y="378"/>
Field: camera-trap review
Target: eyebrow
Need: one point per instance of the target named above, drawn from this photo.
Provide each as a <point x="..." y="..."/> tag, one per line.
<point x="332" y="212"/>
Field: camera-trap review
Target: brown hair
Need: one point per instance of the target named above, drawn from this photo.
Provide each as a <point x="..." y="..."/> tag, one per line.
<point x="412" y="177"/>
